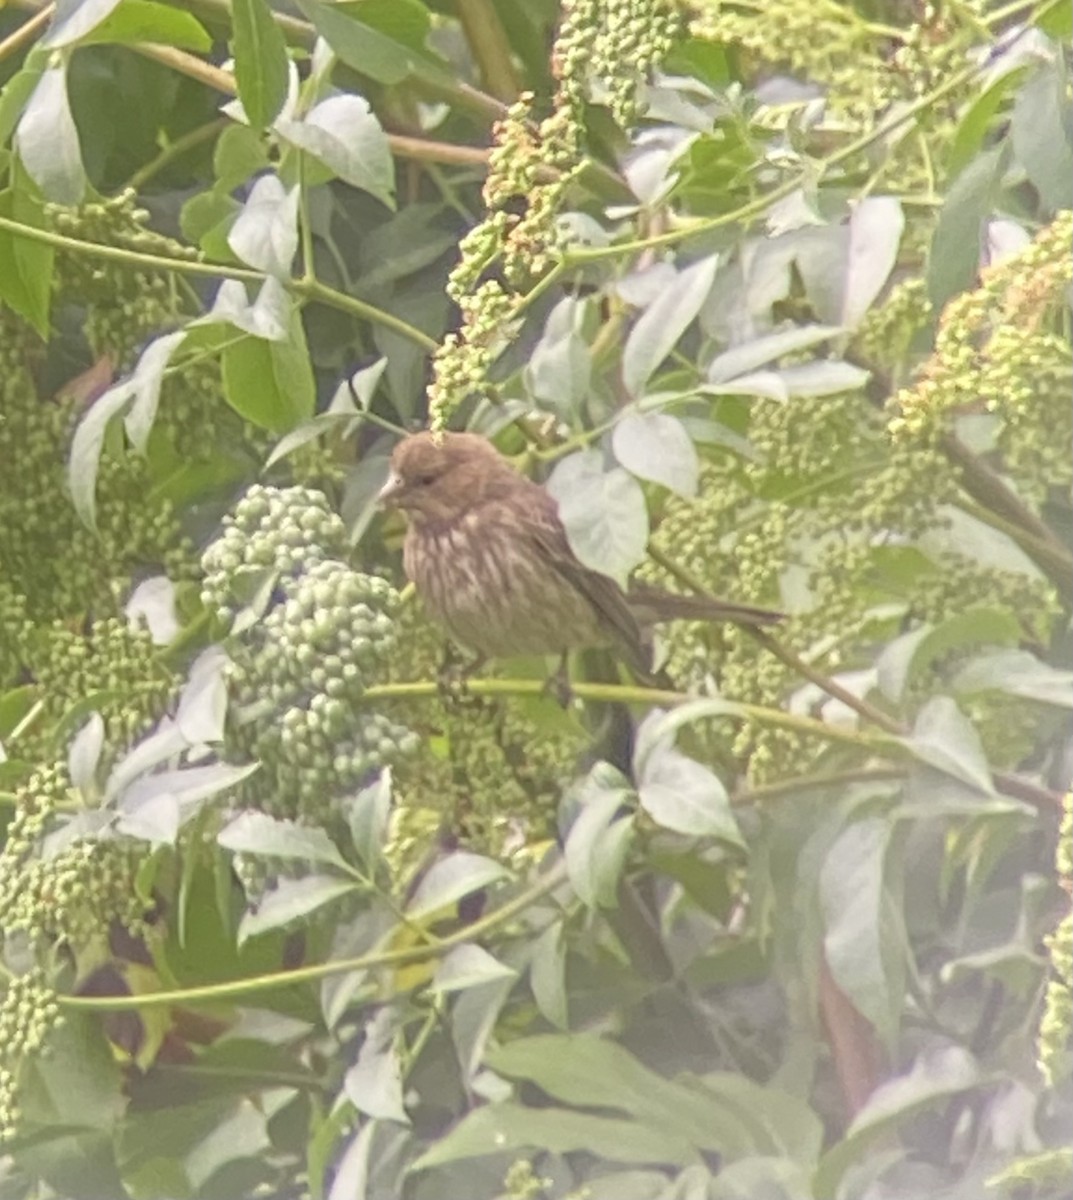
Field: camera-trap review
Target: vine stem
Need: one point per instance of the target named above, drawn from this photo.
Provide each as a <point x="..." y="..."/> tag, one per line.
<point x="234" y="989"/>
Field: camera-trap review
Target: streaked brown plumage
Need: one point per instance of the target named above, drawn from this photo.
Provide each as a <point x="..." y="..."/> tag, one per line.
<point x="490" y="559"/>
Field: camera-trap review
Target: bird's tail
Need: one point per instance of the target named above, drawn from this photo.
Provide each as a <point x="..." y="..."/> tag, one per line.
<point x="654" y="605"/>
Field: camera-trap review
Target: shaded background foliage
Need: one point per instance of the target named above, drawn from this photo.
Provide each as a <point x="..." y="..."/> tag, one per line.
<point x="777" y="301"/>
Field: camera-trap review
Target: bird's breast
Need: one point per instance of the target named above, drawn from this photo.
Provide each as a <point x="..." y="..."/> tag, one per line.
<point x="494" y="590"/>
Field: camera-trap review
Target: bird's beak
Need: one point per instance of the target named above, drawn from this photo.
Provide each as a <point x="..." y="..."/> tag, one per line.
<point x="386" y="496"/>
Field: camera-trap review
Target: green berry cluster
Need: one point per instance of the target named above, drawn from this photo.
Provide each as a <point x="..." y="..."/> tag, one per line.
<point x="1054" y="1051"/>
<point x="28" y="1014"/>
<point x="113" y="662"/>
<point x="125" y="304"/>
<point x="489" y="768"/>
<point x="72" y="895"/>
<point x="83" y="570"/>
<point x="272" y="532"/>
<point x="325" y="632"/>
<point x="603" y="51"/>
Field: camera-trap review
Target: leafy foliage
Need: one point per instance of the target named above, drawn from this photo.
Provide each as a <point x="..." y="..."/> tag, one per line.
<point x="776" y="301"/>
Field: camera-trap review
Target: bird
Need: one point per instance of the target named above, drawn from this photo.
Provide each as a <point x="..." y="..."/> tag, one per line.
<point x="489" y="557"/>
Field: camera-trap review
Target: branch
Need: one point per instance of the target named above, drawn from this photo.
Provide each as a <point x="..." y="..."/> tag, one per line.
<point x="304" y="289"/>
<point x="214" y="992"/>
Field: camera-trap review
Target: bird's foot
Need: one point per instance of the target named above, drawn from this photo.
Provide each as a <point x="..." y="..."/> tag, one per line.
<point x="558" y="685"/>
<point x="454" y="675"/>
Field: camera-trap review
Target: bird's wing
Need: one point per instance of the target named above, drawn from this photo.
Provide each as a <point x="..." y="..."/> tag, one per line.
<point x="603" y="593"/>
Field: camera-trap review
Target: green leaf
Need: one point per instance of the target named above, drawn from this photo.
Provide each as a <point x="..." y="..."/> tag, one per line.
<point x="657" y="447"/>
<point x="558" y="374"/>
<point x="944" y="738"/>
<point x="852" y="895"/>
<point x="746" y="358"/>
<point x="1040" y="129"/>
<point x="155" y="807"/>
<point x="290" y="901"/>
<point x="368" y="814"/>
<point x="547" y="976"/>
<point x="875" y="233"/>
<point x="977" y="120"/>
<point x="84" y="753"/>
<point x="468" y="966"/>
<point x="271" y="383"/>
<point x="384" y="41"/>
<point x="682" y="795"/>
<point x="265" y="232"/>
<point x="202" y="710"/>
<point x="241" y="1134"/>
<point x="25" y="265"/>
<point x="508" y="1127"/>
<point x="603" y="512"/>
<point x="77" y="1084"/>
<point x="47" y="141"/>
<point x="258" y="833"/>
<point x="954" y="259"/>
<point x="1018" y="673"/>
<point x="659" y="328"/>
<point x="935" y="1076"/>
<point x="239" y="154"/>
<point x="146" y="21"/>
<point x="84" y="460"/>
<point x="19" y="88"/>
<point x="145" y="384"/>
<point x="261" y="64"/>
<point x="74" y="19"/>
<point x="343" y="133"/>
<point x="374" y="1083"/>
<point x="599" y="841"/>
<point x="453" y="877"/>
<point x="907" y="657"/>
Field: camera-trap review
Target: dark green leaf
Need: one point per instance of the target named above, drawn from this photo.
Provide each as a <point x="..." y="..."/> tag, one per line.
<point x="147" y="21"/>
<point x="25" y="265"/>
<point x="75" y="18"/>
<point x="384" y="41"/>
<point x="271" y="383"/>
<point x="955" y="249"/>
<point x="261" y="63"/>
<point x="547" y="976"/>
<point x="1041" y="129"/>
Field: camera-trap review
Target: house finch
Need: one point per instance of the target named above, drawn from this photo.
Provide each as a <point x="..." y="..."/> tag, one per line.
<point x="490" y="559"/>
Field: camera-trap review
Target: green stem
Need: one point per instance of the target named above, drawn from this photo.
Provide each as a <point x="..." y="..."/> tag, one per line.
<point x="813" y="172"/>
<point x="490" y="46"/>
<point x="174" y="150"/>
<point x="238" y="988"/>
<point x="304" y="289"/>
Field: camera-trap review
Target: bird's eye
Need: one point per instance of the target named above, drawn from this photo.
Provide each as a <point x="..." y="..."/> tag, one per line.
<point x="424" y="480"/>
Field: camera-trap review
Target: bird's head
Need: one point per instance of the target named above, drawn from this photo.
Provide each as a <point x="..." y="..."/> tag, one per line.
<point x="437" y="477"/>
